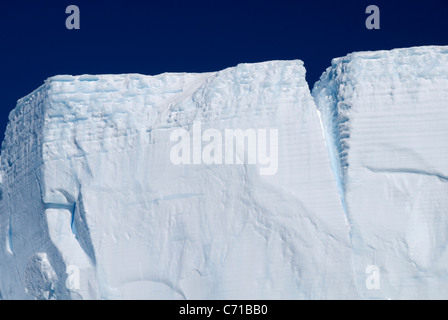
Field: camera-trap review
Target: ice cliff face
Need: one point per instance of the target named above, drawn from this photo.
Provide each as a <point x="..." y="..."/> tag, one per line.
<point x="93" y="206"/>
<point x="386" y="115"/>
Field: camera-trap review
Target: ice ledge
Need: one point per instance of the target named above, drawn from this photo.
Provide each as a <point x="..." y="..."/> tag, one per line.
<point x="398" y="52"/>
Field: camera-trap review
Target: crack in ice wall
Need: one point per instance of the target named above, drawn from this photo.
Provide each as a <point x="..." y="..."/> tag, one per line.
<point x="336" y="134"/>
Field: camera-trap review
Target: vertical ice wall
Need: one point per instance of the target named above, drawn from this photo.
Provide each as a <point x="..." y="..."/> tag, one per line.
<point x="385" y="115"/>
<point x="26" y="247"/>
<point x="90" y="187"/>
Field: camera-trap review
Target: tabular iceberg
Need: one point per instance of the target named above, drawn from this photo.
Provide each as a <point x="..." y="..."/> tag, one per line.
<point x="94" y="207"/>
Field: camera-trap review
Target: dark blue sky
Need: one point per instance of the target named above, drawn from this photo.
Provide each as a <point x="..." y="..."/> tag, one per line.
<point x="152" y="37"/>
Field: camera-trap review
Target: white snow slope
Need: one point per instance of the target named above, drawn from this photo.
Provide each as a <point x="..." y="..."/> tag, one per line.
<point x="93" y="207"/>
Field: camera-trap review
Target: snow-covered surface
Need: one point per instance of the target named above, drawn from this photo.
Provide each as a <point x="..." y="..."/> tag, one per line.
<point x="88" y="188"/>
